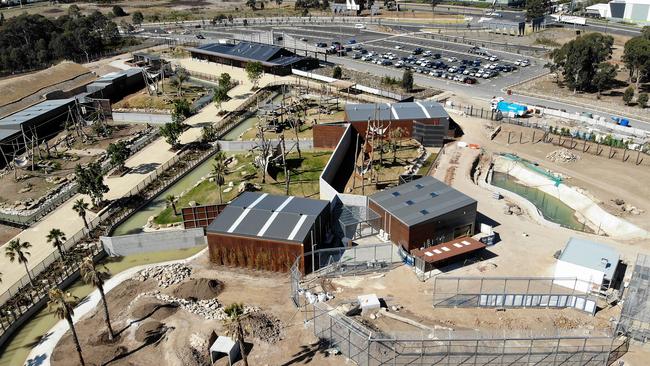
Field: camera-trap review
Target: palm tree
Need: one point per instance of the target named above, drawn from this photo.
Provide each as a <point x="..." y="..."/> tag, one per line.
<point x="94" y="276"/>
<point x="171" y="201"/>
<point x="220" y="170"/>
<point x="234" y="327"/>
<point x="17" y="250"/>
<point x="62" y="305"/>
<point x="57" y="238"/>
<point x="80" y="208"/>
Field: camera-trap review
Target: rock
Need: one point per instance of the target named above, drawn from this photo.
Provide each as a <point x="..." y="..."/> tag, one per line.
<point x="227" y="190"/>
<point x="211" y="180"/>
<point x="192" y="203"/>
<point x="562" y="156"/>
<point x="248" y="186"/>
<point x="25" y="189"/>
<point x="230" y="184"/>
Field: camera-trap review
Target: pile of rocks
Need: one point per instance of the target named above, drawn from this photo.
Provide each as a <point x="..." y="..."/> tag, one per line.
<point x="512" y="209"/>
<point x="165" y="275"/>
<point x="562" y="156"/>
<point x="264" y="327"/>
<point x="207" y="309"/>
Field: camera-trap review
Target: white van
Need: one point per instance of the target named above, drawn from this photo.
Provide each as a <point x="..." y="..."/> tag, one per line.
<point x="360" y="26"/>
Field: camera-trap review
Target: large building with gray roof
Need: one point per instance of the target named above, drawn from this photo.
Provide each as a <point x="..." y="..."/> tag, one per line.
<point x="424" y="212"/>
<point x="274" y="59"/>
<point x="267" y="231"/>
<point x="425" y="121"/>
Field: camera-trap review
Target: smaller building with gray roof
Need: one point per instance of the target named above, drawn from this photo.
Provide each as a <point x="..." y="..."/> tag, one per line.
<point x="424" y="212"/>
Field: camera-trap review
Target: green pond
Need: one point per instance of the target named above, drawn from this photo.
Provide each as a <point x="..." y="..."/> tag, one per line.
<point x="17" y="349"/>
<point x="552" y="209"/>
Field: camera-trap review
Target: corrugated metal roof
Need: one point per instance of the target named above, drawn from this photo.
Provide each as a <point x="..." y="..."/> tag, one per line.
<point x="590" y="254"/>
<point x="267" y="54"/>
<point x="421" y="200"/>
<point x="265" y="216"/>
<point x="32" y="112"/>
<point x="395" y="111"/>
<point x="441" y="252"/>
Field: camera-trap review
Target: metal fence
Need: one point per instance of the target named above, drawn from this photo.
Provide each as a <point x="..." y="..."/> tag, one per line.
<point x="458" y="347"/>
<point x="635" y="315"/>
<point x="512" y="292"/>
<point x="65" y="194"/>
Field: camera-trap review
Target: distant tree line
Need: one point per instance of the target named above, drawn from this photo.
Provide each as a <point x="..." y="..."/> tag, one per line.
<point x="31" y="41"/>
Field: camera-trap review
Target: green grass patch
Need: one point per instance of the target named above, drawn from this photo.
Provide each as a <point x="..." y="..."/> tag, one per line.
<point x="424" y="169"/>
<point x="545" y="41"/>
<point x="303" y="183"/>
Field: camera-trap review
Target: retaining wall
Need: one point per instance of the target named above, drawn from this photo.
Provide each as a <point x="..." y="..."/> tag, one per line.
<point x="136" y="117"/>
<point x="153" y="242"/>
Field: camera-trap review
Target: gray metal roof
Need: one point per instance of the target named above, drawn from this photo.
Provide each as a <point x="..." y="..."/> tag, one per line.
<point x="395" y="111"/>
<point x="590" y="254"/>
<point x="8" y="132"/>
<point x="421" y="200"/>
<point x="27" y="114"/>
<point x="245" y="51"/>
<point x="266" y="216"/>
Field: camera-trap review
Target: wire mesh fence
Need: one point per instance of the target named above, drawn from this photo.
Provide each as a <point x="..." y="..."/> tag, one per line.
<point x="513" y="292"/>
<point x="635" y="315"/>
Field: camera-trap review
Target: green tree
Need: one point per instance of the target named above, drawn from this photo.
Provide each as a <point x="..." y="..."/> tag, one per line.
<point x="137" y="18"/>
<point x="118" y="152"/>
<point x="645" y="32"/>
<point x="118" y="11"/>
<point x="605" y="75"/>
<point x="220" y="95"/>
<point x="180" y="77"/>
<point x="57" y="238"/>
<point x="251" y="4"/>
<point x="579" y="59"/>
<point x="181" y="109"/>
<point x="407" y="80"/>
<point x="91" y="181"/>
<point x="225" y="81"/>
<point x="642" y="100"/>
<point x="219" y="171"/>
<point x="170" y="199"/>
<point x="535" y="8"/>
<point x="208" y="133"/>
<point x="2" y="19"/>
<point x="17" y="251"/>
<point x="254" y="72"/>
<point x="74" y="11"/>
<point x="62" y="305"/>
<point x="171" y="132"/>
<point x="95" y="276"/>
<point x="80" y="207"/>
<point x="628" y="95"/>
<point x="235" y="315"/>
<point x="337" y="72"/>
<point x="636" y="56"/>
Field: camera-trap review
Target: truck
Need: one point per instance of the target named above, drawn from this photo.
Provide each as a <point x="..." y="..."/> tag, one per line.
<point x="569" y="19"/>
<point x="498" y="104"/>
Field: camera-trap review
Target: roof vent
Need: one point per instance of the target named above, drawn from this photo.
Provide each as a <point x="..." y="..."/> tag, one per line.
<point x="419" y="186"/>
<point x="424" y="212"/>
<point x="433" y="194"/>
<point x="395" y="194"/>
<point x="409" y="202"/>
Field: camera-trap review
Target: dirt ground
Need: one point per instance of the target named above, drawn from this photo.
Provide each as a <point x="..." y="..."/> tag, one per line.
<point x="400" y="287"/>
<point x="604" y="178"/>
<point x="8" y="232"/>
<point x="140" y="322"/>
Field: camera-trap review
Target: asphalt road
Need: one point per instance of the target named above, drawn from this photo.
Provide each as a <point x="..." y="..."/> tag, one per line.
<point x="382" y="42"/>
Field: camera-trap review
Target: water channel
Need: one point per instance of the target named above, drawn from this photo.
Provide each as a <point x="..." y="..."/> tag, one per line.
<point x="17" y="349"/>
<point x="552" y="209"/>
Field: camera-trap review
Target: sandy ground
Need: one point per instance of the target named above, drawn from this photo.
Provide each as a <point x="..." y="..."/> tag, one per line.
<point x="267" y="291"/>
<point x="401" y="287"/>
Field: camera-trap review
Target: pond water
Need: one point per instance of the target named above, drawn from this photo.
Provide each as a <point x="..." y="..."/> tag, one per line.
<point x="552" y="209"/>
<point x="17" y="349"/>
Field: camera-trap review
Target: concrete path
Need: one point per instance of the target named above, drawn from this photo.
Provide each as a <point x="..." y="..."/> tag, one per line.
<point x="142" y="165"/>
<point x="41" y="354"/>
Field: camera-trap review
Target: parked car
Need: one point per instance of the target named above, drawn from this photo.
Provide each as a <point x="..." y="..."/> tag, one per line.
<point x="417" y="51"/>
<point x="200" y="36"/>
<point x="356" y="56"/>
<point x="436" y="55"/>
<point x="427" y="53"/>
<point x="398" y="47"/>
<point x="452" y="59"/>
<point x="321" y="44"/>
<point x="386" y="63"/>
<point x="470" y="80"/>
<point x="352" y="41"/>
<point x="493" y="58"/>
<point x="359" y="26"/>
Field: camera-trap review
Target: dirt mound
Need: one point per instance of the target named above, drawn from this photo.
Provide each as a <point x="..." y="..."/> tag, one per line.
<point x="265" y="327"/>
<point x="154" y="310"/>
<point x="198" y="289"/>
<point x="150" y="331"/>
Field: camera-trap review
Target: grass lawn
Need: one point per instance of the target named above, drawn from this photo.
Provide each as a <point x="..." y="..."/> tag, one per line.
<point x="427" y="164"/>
<point x="304" y="181"/>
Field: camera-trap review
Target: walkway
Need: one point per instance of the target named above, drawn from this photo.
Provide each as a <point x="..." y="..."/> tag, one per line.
<point x="41" y="354"/>
<point x="142" y="165"/>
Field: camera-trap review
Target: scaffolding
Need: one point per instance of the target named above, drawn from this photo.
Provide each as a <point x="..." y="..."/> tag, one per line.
<point x="635" y="315"/>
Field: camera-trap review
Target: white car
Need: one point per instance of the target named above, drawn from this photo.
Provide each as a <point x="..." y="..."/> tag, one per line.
<point x="398" y="47"/>
<point x="359" y="26"/>
<point x="427" y="53"/>
<point x="391" y="57"/>
<point x="493" y="58"/>
<point x="452" y="59"/>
